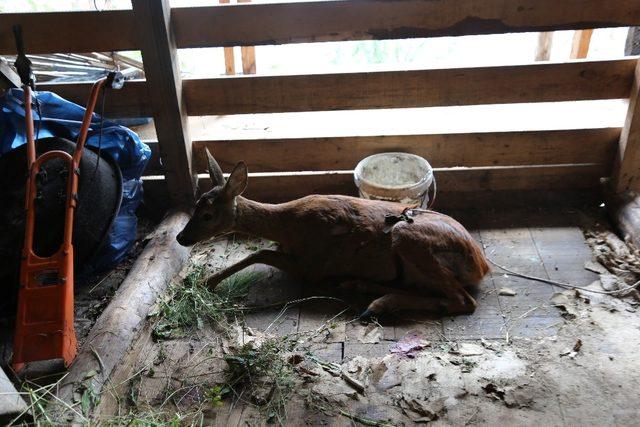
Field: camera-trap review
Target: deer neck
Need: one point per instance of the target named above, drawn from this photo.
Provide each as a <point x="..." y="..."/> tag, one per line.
<point x="258" y="219"/>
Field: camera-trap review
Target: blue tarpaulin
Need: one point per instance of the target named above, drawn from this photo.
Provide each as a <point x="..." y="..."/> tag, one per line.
<point x="61" y="118"/>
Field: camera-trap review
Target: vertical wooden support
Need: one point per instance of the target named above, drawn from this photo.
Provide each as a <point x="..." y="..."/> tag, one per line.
<point x="543" y="50"/>
<point x="632" y="44"/>
<point x="229" y="60"/>
<point x="160" y="57"/>
<point x="626" y="172"/>
<point x="580" y="44"/>
<point x="248" y="59"/>
<point x="248" y="54"/>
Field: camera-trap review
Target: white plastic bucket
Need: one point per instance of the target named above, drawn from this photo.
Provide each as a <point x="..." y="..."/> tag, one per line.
<point x="396" y="177"/>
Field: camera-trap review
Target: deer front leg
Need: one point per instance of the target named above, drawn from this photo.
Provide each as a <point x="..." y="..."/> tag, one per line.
<point x="275" y="259"/>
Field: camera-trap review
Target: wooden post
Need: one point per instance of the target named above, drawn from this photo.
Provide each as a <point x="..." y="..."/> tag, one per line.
<point x="632" y="44"/>
<point x="545" y="41"/>
<point x="248" y="54"/>
<point x="229" y="60"/>
<point x="159" y="54"/>
<point x="248" y="59"/>
<point x="626" y="172"/>
<point x="580" y="44"/>
<point x="622" y="197"/>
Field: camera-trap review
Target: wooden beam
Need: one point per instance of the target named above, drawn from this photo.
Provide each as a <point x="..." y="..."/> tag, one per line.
<point x="423" y="88"/>
<point x="130" y="101"/>
<point x="60" y="32"/>
<point x="506" y="199"/>
<point x="446" y="150"/>
<point x="626" y="175"/>
<point x="259" y="24"/>
<point x="580" y="44"/>
<point x="159" y="54"/>
<point x="118" y="325"/>
<point x="632" y="44"/>
<point x="276" y="23"/>
<point x="545" y="42"/>
<point x="393" y="89"/>
<point x="288" y="186"/>
<point x="449" y="180"/>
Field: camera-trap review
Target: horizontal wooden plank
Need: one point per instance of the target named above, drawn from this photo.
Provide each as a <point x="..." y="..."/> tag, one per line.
<point x="57" y="32"/>
<point x="274" y="187"/>
<point x="419" y="88"/>
<point x="280" y="187"/>
<point x="259" y="24"/>
<point x="156" y="201"/>
<point x="130" y="101"/>
<point x="446" y="150"/>
<point x="390" y="89"/>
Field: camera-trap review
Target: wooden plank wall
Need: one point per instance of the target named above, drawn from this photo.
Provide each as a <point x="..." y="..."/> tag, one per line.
<point x="469" y="162"/>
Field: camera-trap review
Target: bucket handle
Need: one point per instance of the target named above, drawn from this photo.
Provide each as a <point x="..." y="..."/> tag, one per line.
<point x="431" y="193"/>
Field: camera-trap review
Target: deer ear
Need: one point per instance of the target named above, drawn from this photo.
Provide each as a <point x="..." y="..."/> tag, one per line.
<point x="237" y="181"/>
<point x="215" y="173"/>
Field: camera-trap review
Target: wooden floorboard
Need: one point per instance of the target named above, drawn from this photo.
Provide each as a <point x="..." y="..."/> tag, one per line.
<point x="538" y="242"/>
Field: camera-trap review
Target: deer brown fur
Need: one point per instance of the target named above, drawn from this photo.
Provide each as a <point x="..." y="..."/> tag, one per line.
<point x="423" y="261"/>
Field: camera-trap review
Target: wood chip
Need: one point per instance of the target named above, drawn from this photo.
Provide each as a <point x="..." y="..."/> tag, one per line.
<point x="507" y="292"/>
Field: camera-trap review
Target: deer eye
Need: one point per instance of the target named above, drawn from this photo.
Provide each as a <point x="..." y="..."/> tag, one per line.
<point x="207" y="217"/>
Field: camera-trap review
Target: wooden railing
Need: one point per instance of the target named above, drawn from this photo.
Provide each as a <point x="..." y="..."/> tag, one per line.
<point x="291" y="167"/>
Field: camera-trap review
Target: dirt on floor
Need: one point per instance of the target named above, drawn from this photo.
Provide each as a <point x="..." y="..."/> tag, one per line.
<point x="265" y="349"/>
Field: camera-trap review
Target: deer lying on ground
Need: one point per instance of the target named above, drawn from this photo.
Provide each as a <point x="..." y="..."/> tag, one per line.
<point x="415" y="259"/>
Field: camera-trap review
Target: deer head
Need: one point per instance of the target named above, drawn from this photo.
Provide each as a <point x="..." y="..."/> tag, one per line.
<point x="215" y="210"/>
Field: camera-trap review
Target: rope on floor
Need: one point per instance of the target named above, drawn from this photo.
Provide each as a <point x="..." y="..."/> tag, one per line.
<point x="561" y="284"/>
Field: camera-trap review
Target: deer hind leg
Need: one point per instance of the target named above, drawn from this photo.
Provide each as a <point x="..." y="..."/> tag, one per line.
<point x="456" y="300"/>
<point x="392" y="298"/>
<point x="275" y="259"/>
<point x="362" y="286"/>
<point x="400" y="301"/>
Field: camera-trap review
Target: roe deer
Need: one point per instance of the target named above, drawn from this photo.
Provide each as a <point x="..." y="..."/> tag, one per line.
<point x="415" y="259"/>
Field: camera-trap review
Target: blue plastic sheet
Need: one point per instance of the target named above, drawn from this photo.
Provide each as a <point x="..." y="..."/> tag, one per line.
<point x="61" y="118"/>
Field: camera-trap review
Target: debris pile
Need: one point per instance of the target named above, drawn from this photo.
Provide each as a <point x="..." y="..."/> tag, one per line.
<point x="618" y="263"/>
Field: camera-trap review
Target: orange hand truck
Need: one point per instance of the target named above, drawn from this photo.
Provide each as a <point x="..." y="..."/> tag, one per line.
<point x="44" y="321"/>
